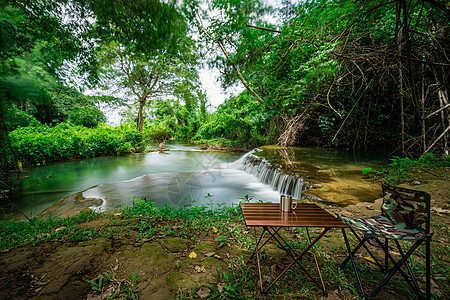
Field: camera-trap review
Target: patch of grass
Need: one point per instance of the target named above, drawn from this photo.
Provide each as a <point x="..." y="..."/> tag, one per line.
<point x="401" y="169"/>
<point x="109" y="287"/>
<point x="223" y="226"/>
<point x="143" y="220"/>
<point x="237" y="282"/>
<point x="14" y="233"/>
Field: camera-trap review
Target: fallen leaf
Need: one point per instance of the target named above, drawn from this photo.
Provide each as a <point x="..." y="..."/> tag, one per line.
<point x="215" y="229"/>
<point x="216" y="256"/>
<point x="39" y="283"/>
<point x="117" y="214"/>
<point x="204" y="292"/>
<point x="436" y="292"/>
<point x="220" y="288"/>
<point x="199" y="269"/>
<point x="60" y="228"/>
<point x="370" y="259"/>
<point x="209" y="254"/>
<point x="193" y="255"/>
<point x="265" y="279"/>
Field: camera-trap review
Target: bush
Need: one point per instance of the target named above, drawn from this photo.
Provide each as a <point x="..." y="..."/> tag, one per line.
<point x="227" y="131"/>
<point x="20" y="118"/>
<point x="400" y="169"/>
<point x="160" y="135"/>
<point x="225" y="126"/>
<point x="88" y="116"/>
<point x="43" y="143"/>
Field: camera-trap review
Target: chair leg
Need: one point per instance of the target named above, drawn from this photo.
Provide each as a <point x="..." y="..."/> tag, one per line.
<point x="395" y="269"/>
<point x="413" y="278"/>
<point x="386" y="251"/>
<point x="413" y="285"/>
<point x="362" y="244"/>
<point x="397" y="265"/>
<point x="350" y="256"/>
<point x="428" y="267"/>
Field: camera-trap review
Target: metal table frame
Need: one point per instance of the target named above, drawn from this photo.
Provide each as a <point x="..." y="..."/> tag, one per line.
<point x="272" y="219"/>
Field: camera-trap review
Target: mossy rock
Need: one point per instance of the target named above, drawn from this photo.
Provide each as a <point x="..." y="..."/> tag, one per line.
<point x="176" y="244"/>
<point x="238" y="252"/>
<point x="202" y="249"/>
<point x="213" y="263"/>
<point x="177" y="280"/>
<point x="155" y="252"/>
<point x="274" y="253"/>
<point x="148" y="253"/>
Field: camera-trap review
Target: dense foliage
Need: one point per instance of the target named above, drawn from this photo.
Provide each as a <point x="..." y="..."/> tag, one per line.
<point x="239" y="123"/>
<point x="402" y="169"/>
<point x="40" y="144"/>
<point x="343" y="73"/>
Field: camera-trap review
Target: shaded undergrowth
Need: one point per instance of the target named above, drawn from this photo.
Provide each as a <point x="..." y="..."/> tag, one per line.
<point x="145" y="222"/>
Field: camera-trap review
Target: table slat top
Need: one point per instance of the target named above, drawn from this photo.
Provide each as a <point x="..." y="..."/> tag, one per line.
<point x="305" y="215"/>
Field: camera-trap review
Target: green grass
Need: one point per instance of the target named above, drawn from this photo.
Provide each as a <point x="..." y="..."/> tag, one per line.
<point x="144" y="217"/>
<point x="118" y="289"/>
<point x="401" y="169"/>
<point x="225" y="227"/>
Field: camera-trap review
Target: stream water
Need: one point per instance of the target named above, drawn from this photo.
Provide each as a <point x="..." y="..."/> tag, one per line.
<point x="186" y="175"/>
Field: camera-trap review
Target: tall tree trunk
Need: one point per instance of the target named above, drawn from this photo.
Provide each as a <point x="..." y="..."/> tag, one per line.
<point x="400" y="26"/>
<point x="140" y="123"/>
<point x="422" y="100"/>
<point x="402" y="105"/>
<point x="443" y="101"/>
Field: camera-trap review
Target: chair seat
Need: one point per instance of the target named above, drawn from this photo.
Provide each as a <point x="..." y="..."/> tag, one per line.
<point x="381" y="226"/>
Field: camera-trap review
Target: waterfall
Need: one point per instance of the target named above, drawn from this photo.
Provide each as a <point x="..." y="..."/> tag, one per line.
<point x="272" y="175"/>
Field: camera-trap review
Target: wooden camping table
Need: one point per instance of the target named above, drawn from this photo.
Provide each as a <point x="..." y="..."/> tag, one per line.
<point x="272" y="219"/>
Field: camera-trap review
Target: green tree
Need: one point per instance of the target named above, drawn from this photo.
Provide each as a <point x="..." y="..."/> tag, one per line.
<point x="154" y="77"/>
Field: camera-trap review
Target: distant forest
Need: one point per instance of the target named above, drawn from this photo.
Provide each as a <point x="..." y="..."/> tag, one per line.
<point x="337" y="73"/>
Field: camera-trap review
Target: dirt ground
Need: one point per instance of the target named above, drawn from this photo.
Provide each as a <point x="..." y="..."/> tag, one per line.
<point x="165" y="265"/>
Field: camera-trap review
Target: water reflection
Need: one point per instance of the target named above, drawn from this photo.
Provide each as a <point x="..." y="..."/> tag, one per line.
<point x="335" y="175"/>
<point x="186" y="175"/>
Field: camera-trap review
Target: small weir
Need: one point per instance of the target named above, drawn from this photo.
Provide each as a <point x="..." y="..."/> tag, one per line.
<point x="185" y="175"/>
<point x="271" y="174"/>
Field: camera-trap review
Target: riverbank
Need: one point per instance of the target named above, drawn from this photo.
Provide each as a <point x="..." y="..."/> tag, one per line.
<point x="163" y="253"/>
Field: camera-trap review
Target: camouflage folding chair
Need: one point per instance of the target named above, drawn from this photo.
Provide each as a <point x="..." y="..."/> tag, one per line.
<point x="402" y="214"/>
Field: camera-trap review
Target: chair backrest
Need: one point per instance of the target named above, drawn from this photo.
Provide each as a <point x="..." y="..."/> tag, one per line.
<point x="406" y="206"/>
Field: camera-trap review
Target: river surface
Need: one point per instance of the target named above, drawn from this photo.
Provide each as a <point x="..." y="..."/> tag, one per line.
<point x="186" y="175"/>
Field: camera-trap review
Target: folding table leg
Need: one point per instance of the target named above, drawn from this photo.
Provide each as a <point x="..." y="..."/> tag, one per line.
<point x="293" y="255"/>
<point x="299" y="257"/>
<point x="324" y="290"/>
<point x="257" y="256"/>
<point x="268" y="239"/>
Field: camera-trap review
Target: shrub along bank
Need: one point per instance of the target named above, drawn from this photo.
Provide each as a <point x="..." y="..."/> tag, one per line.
<point x="43" y="143"/>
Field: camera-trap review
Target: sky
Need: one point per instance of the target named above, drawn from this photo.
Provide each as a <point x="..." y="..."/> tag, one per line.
<point x="215" y="93"/>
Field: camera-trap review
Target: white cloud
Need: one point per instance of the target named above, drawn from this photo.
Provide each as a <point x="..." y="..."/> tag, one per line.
<point x="215" y="93"/>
